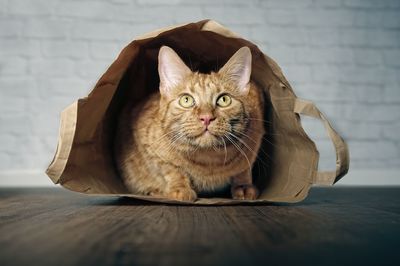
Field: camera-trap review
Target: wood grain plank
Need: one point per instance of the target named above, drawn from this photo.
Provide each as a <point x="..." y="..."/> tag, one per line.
<point x="333" y="226"/>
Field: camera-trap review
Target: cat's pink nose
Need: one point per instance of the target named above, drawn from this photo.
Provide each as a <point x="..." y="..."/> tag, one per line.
<point x="206" y="119"/>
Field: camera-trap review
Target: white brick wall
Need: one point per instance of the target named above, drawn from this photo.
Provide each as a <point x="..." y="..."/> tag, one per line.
<point x="342" y="54"/>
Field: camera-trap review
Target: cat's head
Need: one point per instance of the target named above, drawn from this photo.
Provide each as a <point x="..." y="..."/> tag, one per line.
<point x="204" y="110"/>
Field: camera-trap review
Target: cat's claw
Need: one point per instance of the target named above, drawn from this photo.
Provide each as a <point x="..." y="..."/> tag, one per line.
<point x="244" y="192"/>
<point x="183" y="194"/>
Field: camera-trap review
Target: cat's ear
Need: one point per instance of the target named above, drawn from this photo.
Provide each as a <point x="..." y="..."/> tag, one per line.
<point x="238" y="70"/>
<point x="171" y="69"/>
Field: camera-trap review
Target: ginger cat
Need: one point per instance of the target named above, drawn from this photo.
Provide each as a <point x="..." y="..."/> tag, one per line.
<point x="199" y="133"/>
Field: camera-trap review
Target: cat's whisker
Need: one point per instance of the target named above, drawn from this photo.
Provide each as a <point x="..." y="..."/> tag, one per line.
<point x="168" y="144"/>
<point x="244" y="144"/>
<point x="239" y="149"/>
<point x="249" y="148"/>
<point x="260" y="149"/>
<point x="258" y="131"/>
<point x="256" y="119"/>
<point x="263" y="137"/>
<point x="195" y="150"/>
<point x="163" y="136"/>
<point x="178" y="136"/>
<point x="226" y="153"/>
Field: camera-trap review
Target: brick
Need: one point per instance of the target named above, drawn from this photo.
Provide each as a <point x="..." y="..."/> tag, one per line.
<point x="368" y="57"/>
<point x="29" y="48"/>
<point x="279" y="35"/>
<point x="383" y="38"/>
<point x="391" y="93"/>
<point x="326" y="73"/>
<point x="326" y="18"/>
<point x="18" y="87"/>
<point x="354" y="37"/>
<point x="47" y="28"/>
<point x="10" y="27"/>
<point x="13" y="65"/>
<point x="16" y="124"/>
<point x="97" y="31"/>
<point x="326" y="164"/>
<point x="358" y="75"/>
<point x="33" y="145"/>
<point x="356" y="130"/>
<point x="184" y="14"/>
<point x="390" y="76"/>
<point x="367" y="18"/>
<point x="371" y="113"/>
<point x="341" y="93"/>
<point x="282" y="54"/>
<point x="231" y="15"/>
<point x="161" y="2"/>
<point x="91" y="69"/>
<point x="326" y="153"/>
<point x="159" y="16"/>
<point x="27" y="7"/>
<point x="63" y="48"/>
<point x="392" y="58"/>
<point x="372" y="163"/>
<point x="132" y="31"/>
<point x="286" y="4"/>
<point x="297" y="73"/>
<point x="314" y="128"/>
<point x="391" y="131"/>
<point x="9" y="142"/>
<point x="322" y="92"/>
<point x="365" y="93"/>
<point x="85" y="9"/>
<point x="392" y="3"/>
<point x="5" y="160"/>
<point x="323" y="36"/>
<point x="364" y="3"/>
<point x="121" y="1"/>
<point x="11" y="106"/>
<point x="315" y="55"/>
<point x="51" y="67"/>
<point x="69" y="88"/>
<point x="104" y="50"/>
<point x="226" y="3"/>
<point x="377" y="150"/>
<point x="328" y="4"/>
<point x="391" y="19"/>
<point x="332" y="111"/>
<point x="282" y="17"/>
<point x="3" y="7"/>
<point x="49" y="107"/>
<point x="46" y="123"/>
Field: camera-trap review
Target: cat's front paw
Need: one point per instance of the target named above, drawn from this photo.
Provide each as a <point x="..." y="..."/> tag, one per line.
<point x="244" y="192"/>
<point x="182" y="194"/>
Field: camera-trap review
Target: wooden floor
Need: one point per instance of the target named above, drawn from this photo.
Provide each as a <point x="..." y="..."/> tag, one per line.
<point x="334" y="226"/>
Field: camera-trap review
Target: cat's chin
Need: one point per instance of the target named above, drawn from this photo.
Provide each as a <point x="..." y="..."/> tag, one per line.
<point x="207" y="140"/>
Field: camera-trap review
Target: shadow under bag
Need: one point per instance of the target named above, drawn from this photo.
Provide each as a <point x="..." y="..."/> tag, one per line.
<point x="287" y="163"/>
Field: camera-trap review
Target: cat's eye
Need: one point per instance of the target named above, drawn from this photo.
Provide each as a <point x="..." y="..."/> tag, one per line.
<point x="224" y="101"/>
<point x="186" y="101"/>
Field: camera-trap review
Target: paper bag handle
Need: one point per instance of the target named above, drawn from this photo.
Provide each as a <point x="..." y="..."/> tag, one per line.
<point x="342" y="153"/>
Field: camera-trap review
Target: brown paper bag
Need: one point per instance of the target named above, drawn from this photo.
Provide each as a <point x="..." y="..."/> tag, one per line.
<point x="287" y="163"/>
